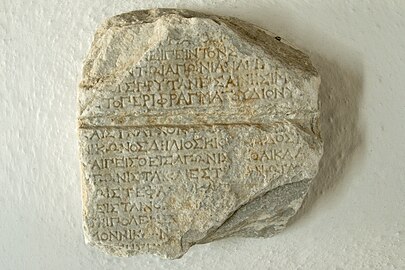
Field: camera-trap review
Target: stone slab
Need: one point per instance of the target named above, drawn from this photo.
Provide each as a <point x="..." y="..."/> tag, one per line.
<point x="192" y="128"/>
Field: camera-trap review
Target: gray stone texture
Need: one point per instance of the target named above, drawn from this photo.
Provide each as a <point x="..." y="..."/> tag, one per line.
<point x="192" y="128"/>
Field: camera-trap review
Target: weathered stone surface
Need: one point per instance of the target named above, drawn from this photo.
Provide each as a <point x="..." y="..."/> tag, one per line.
<point x="192" y="128"/>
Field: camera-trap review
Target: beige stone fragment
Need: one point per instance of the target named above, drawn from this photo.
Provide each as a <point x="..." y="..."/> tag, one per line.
<point x="192" y="128"/>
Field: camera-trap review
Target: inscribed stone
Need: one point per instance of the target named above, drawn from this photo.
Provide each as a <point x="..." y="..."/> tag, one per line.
<point x="192" y="128"/>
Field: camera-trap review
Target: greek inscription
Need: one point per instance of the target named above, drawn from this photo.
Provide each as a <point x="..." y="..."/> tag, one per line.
<point x="186" y="122"/>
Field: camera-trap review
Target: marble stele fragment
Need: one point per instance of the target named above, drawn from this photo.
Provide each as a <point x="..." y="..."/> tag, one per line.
<point x="192" y="128"/>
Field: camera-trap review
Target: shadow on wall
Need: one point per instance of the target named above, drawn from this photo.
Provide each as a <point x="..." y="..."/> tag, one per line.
<point x="340" y="95"/>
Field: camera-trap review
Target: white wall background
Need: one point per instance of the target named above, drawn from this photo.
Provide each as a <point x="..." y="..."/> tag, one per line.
<point x="355" y="215"/>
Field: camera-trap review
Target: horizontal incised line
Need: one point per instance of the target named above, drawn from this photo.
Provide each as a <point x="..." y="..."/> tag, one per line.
<point x="179" y="126"/>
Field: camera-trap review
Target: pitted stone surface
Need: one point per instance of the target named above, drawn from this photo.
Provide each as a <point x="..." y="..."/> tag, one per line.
<point x="192" y="128"/>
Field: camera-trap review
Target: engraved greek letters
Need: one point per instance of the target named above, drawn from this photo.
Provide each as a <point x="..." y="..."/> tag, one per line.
<point x="186" y="120"/>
